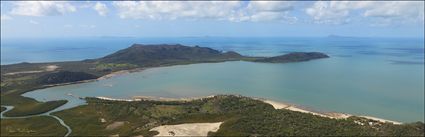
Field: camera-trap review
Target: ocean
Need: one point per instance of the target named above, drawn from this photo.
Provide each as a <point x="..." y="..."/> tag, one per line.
<point x="381" y="77"/>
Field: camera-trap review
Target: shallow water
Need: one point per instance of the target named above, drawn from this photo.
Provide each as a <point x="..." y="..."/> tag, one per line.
<point x="378" y="77"/>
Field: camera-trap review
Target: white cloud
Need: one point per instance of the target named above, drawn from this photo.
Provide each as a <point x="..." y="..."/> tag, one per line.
<point x="218" y="10"/>
<point x="101" y="9"/>
<point x="42" y="8"/>
<point x="170" y="10"/>
<point x="388" y="12"/>
<point x="270" y="6"/>
<point x="329" y="12"/>
<point x="270" y="11"/>
<point x="5" y="17"/>
<point x="34" y="22"/>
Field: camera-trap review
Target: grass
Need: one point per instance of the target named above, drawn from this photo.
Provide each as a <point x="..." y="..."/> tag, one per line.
<point x="34" y="126"/>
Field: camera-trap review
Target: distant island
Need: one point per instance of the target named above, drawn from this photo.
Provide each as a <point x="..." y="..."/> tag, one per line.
<point x="229" y="115"/>
<point x="138" y="56"/>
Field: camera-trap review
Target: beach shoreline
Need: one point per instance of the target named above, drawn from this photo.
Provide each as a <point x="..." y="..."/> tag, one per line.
<point x="275" y="104"/>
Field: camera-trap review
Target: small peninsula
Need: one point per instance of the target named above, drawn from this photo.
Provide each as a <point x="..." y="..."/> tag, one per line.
<point x="294" y="57"/>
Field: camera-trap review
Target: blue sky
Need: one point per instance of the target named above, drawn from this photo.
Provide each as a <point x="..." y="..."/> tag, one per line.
<point x="205" y="18"/>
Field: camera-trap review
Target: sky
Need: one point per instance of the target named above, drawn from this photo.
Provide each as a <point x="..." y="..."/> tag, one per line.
<point x="212" y="18"/>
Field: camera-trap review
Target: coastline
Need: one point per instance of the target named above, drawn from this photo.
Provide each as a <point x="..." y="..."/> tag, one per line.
<point x="275" y="104"/>
<point x="333" y="115"/>
<point x="119" y="73"/>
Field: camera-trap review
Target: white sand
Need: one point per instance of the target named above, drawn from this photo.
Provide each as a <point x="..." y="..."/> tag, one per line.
<point x="113" y="74"/>
<point x="46" y="68"/>
<point x="51" y="67"/>
<point x="191" y="129"/>
<point x="381" y="120"/>
<point x="279" y="105"/>
<point x="23" y="72"/>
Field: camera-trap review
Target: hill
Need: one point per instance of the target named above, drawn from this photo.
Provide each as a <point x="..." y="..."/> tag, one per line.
<point x="294" y="57"/>
<point x="156" y="55"/>
<point x="64" y="77"/>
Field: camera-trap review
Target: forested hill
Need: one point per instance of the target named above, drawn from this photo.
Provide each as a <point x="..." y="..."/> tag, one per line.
<point x="155" y="55"/>
<point x="294" y="57"/>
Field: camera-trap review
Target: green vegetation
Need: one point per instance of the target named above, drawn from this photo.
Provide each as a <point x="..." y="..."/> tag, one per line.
<point x="294" y="57"/>
<point x="242" y="116"/>
<point x="34" y="126"/>
<point x="114" y="66"/>
<point x="160" y="55"/>
<point x="64" y="77"/>
<point x="34" y="108"/>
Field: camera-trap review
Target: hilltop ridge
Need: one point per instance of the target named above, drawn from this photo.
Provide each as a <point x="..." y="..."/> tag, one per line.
<point x="154" y="55"/>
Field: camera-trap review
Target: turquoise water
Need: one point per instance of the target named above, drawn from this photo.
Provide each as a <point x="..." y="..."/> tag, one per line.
<point x="325" y="85"/>
<point x="376" y="77"/>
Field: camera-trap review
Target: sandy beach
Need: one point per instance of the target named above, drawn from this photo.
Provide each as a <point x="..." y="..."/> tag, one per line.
<point x="334" y="115"/>
<point x="121" y="72"/>
<point x="381" y="120"/>
<point x="190" y="129"/>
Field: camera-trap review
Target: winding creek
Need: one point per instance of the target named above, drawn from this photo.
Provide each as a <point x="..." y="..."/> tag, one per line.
<point x="69" y="130"/>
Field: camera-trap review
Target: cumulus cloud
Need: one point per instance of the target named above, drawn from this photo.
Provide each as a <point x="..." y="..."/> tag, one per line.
<point x="171" y="10"/>
<point x="42" y="8"/>
<point x="396" y="12"/>
<point x="337" y="12"/>
<point x="101" y="9"/>
<point x="270" y="11"/>
<point x="218" y="10"/>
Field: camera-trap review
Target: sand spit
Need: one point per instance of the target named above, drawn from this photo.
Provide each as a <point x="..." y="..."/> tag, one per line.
<point x="334" y="115"/>
<point x="189" y="129"/>
<point x="381" y="120"/>
<point x="121" y="72"/>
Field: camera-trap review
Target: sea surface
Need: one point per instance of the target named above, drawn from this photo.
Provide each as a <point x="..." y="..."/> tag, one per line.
<point x="381" y="77"/>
